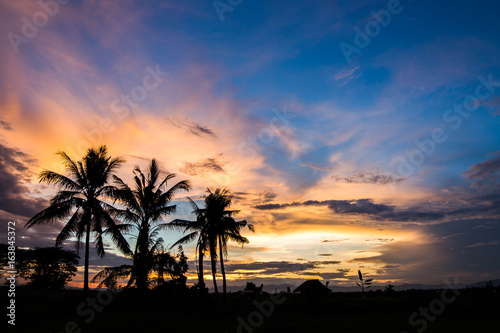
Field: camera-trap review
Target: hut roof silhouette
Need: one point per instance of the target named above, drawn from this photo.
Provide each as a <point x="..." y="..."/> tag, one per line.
<point x="312" y="287"/>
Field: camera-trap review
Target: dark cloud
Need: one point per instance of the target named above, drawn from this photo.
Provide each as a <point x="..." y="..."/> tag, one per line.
<point x="369" y="178"/>
<point x="276" y="267"/>
<point x="270" y="267"/>
<point x="372" y="259"/>
<point x="14" y="175"/>
<point x="360" y="206"/>
<point x="5" y="125"/>
<point x="454" y="248"/>
<point x="203" y="168"/>
<point x="411" y="214"/>
<point x="192" y="127"/>
<point x="330" y="262"/>
<point x="272" y="206"/>
<point x="486" y="172"/>
<point x="241" y="195"/>
<point x="479" y="205"/>
<point x="425" y="212"/>
<point x="267" y="195"/>
<point x="327" y="275"/>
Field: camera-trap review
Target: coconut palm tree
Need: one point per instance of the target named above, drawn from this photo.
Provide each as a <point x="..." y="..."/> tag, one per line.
<point x="223" y="225"/>
<point x="158" y="260"/>
<point x="175" y="266"/>
<point x="230" y="230"/>
<point x="196" y="229"/>
<point x="205" y="230"/>
<point x="80" y="196"/>
<point x="146" y="206"/>
<point x="214" y="227"/>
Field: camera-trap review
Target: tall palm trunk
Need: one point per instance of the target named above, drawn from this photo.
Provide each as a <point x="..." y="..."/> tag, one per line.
<point x="86" y="272"/>
<point x="214" y="268"/>
<point x="142" y="269"/>
<point x="222" y="267"/>
<point x="201" y="280"/>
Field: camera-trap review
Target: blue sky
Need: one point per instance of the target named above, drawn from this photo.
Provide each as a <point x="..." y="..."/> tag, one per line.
<point x="265" y="103"/>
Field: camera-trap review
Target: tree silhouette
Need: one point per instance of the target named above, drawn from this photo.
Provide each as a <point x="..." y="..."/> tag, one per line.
<point x="365" y="284"/>
<point x="158" y="260"/>
<point x="146" y="205"/>
<point x="389" y="289"/>
<point x="223" y="225"/>
<point x="81" y="196"/>
<point x="197" y="229"/>
<point x="44" y="268"/>
<point x="214" y="227"/>
<point x="175" y="266"/>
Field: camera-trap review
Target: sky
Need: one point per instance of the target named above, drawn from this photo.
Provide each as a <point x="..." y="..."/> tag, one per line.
<point x="353" y="134"/>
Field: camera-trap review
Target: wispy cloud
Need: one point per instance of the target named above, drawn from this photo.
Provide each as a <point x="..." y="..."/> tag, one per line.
<point x="485" y="172"/>
<point x="204" y="167"/>
<point x="334" y="240"/>
<point x="5" y="125"/>
<point x="347" y="73"/>
<point x="484" y="244"/>
<point x="192" y="127"/>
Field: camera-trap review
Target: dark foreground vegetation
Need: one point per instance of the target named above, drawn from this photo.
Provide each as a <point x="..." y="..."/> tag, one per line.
<point x="474" y="310"/>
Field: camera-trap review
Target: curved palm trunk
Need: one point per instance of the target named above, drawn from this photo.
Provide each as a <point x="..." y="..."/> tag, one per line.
<point x="222" y="267"/>
<point x="201" y="280"/>
<point x="86" y="272"/>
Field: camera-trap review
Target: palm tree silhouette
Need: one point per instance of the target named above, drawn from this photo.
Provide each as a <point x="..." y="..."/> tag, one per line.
<point x="157" y="259"/>
<point x="175" y="266"/>
<point x="80" y="195"/>
<point x="197" y="229"/>
<point x="146" y="205"/>
<point x="214" y="227"/>
<point x="225" y="227"/>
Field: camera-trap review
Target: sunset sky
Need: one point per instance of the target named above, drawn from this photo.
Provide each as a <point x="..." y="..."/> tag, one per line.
<point x="347" y="148"/>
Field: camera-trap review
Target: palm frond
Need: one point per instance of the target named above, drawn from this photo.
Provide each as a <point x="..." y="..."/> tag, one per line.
<point x="70" y="228"/>
<point x="61" y="181"/>
<point x="186" y="239"/>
